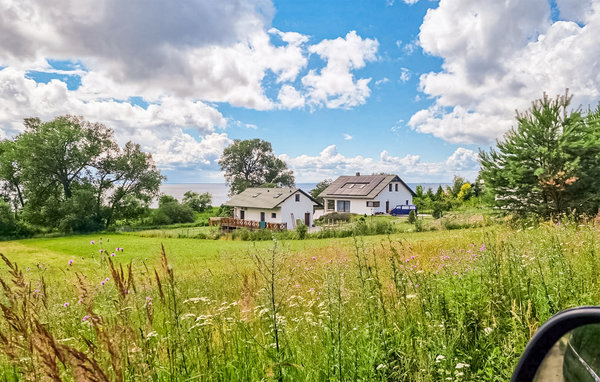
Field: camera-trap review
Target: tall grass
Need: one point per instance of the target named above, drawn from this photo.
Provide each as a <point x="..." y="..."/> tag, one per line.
<point x="392" y="309"/>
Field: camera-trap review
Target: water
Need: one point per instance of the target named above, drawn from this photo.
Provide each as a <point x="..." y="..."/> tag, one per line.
<point x="219" y="191"/>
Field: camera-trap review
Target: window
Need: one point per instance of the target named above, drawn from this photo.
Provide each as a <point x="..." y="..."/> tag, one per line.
<point x="390" y="188"/>
<point x="256" y="195"/>
<point x="297" y="197"/>
<point x="407" y="202"/>
<point x="330" y="205"/>
<point x="362" y="185"/>
<point x="351" y="185"/>
<point x="373" y="204"/>
<point x="343" y="206"/>
<point x="273" y="215"/>
<point x="396" y="187"/>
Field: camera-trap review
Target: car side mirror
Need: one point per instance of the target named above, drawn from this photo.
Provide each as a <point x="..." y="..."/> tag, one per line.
<point x="566" y="348"/>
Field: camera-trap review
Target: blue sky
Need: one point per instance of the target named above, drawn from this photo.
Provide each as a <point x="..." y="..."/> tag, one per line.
<point x="413" y="87"/>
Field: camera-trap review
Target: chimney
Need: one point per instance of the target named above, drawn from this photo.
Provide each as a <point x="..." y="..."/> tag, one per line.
<point x="358" y="174"/>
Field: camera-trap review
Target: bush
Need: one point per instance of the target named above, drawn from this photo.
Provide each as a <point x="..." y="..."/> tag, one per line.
<point x="412" y="217"/>
<point x="8" y="225"/>
<point x="334" y="217"/>
<point x="301" y="231"/>
<point x="172" y="212"/>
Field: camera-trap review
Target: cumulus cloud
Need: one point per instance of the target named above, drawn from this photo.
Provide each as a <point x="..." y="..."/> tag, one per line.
<point x="330" y="163"/>
<point x="335" y="86"/>
<point x="347" y="137"/>
<point x="498" y="57"/>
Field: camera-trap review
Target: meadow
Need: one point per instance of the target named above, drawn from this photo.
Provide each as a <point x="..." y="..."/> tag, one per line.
<point x="454" y="305"/>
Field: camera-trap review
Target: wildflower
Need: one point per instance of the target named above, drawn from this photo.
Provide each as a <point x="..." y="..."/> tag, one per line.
<point x="92" y="242"/>
<point x="100" y="250"/>
<point x="66" y="304"/>
<point x="70" y="262"/>
<point x="314" y="258"/>
<point x="487" y="331"/>
<point x="439" y="358"/>
<point x="148" y="298"/>
<point x="482" y="247"/>
<point x="461" y="365"/>
<point x="416" y="285"/>
<point x="112" y="254"/>
<point x="412" y="257"/>
<point x="102" y="282"/>
<point x="85" y="318"/>
<point x="107" y="279"/>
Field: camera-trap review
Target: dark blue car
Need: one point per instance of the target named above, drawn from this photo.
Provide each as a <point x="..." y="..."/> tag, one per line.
<point x="403" y="209"/>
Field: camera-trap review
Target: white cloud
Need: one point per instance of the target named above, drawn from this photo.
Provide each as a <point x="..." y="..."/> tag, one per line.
<point x="382" y="81"/>
<point x="330" y="164"/>
<point x="405" y="75"/>
<point x="347" y="137"/>
<point x="335" y="86"/>
<point x="498" y="57"/>
<point x="156" y="128"/>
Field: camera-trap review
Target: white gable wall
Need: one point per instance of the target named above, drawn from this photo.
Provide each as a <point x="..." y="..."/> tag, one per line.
<point x="283" y="212"/>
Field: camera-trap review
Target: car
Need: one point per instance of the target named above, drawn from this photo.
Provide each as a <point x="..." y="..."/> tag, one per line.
<point x="403" y="209"/>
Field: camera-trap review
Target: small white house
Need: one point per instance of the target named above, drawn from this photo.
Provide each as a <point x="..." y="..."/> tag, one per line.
<point x="366" y="194"/>
<point x="274" y="205"/>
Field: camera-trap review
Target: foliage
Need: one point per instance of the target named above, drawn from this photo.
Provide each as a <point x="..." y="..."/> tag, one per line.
<point x="69" y="174"/>
<point x="319" y="188"/>
<point x="334" y="217"/>
<point x="412" y="217"/>
<point x="549" y="164"/>
<point x="8" y="225"/>
<point x="170" y="211"/>
<point x="197" y="202"/>
<point x="251" y="163"/>
<point x="301" y="231"/>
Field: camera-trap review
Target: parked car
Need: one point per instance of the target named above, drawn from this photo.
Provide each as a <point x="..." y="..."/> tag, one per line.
<point x="403" y="209"/>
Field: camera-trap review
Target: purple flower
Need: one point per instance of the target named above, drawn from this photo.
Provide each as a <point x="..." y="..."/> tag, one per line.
<point x="314" y="258"/>
<point x="106" y="279"/>
<point x="100" y="250"/>
<point x="85" y="318"/>
<point x="102" y="282"/>
<point x="112" y="254"/>
<point x="92" y="242"/>
<point x="482" y="247"/>
<point x="412" y="257"/>
<point x="148" y="298"/>
<point x="66" y="304"/>
<point x="70" y="262"/>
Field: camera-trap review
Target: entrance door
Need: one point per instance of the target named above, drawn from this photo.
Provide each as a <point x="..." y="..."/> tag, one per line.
<point x="387" y="207"/>
<point x="262" y="216"/>
<point x="307" y="219"/>
<point x="242" y="214"/>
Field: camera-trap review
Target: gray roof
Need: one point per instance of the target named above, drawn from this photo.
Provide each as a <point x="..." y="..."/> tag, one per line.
<point x="267" y="198"/>
<point x="361" y="186"/>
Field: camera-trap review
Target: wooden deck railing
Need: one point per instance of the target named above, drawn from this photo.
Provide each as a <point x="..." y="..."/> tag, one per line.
<point x="229" y="224"/>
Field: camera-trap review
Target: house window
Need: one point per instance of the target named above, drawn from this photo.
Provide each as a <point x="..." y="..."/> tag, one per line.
<point x="273" y="215"/>
<point x="407" y="202"/>
<point x="297" y="197"/>
<point x="396" y="186"/>
<point x="330" y="205"/>
<point x="343" y="206"/>
<point x="390" y="188"/>
<point x="373" y="204"/>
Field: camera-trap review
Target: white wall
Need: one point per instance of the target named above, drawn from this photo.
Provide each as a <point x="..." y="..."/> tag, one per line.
<point x="359" y="206"/>
<point x="291" y="206"/>
<point x="284" y="211"/>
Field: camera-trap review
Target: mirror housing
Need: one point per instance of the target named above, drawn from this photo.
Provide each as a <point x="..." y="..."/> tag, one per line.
<point x="547" y="335"/>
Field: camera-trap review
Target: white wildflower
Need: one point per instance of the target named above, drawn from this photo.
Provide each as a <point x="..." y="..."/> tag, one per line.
<point x="461" y="365"/>
<point x="439" y="358"/>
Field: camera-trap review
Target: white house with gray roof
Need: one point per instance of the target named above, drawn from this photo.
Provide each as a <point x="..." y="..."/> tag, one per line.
<point x="366" y="194"/>
<point x="274" y="205"/>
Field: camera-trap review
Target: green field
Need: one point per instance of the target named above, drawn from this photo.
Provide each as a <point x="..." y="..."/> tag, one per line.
<point x="429" y="306"/>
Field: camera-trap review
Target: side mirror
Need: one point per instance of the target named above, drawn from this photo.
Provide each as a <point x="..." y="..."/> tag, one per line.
<point x="566" y="348"/>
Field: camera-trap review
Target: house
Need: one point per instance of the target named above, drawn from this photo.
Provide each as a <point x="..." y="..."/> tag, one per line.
<point x="275" y="208"/>
<point x="366" y="194"/>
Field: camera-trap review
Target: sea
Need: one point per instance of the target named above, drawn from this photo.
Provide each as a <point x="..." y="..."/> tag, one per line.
<point x="219" y="191"/>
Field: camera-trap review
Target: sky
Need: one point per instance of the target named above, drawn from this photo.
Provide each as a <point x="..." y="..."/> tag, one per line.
<point x="410" y="87"/>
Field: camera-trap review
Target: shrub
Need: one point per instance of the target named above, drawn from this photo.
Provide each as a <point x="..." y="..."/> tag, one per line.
<point x="301" y="231"/>
<point x="334" y="217"/>
<point x="412" y="217"/>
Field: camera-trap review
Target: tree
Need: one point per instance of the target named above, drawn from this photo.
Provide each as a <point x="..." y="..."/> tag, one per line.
<point x="251" y="163"/>
<point x="197" y="202"/>
<point x="71" y="174"/>
<point x="319" y="188"/>
<point x="549" y="164"/>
